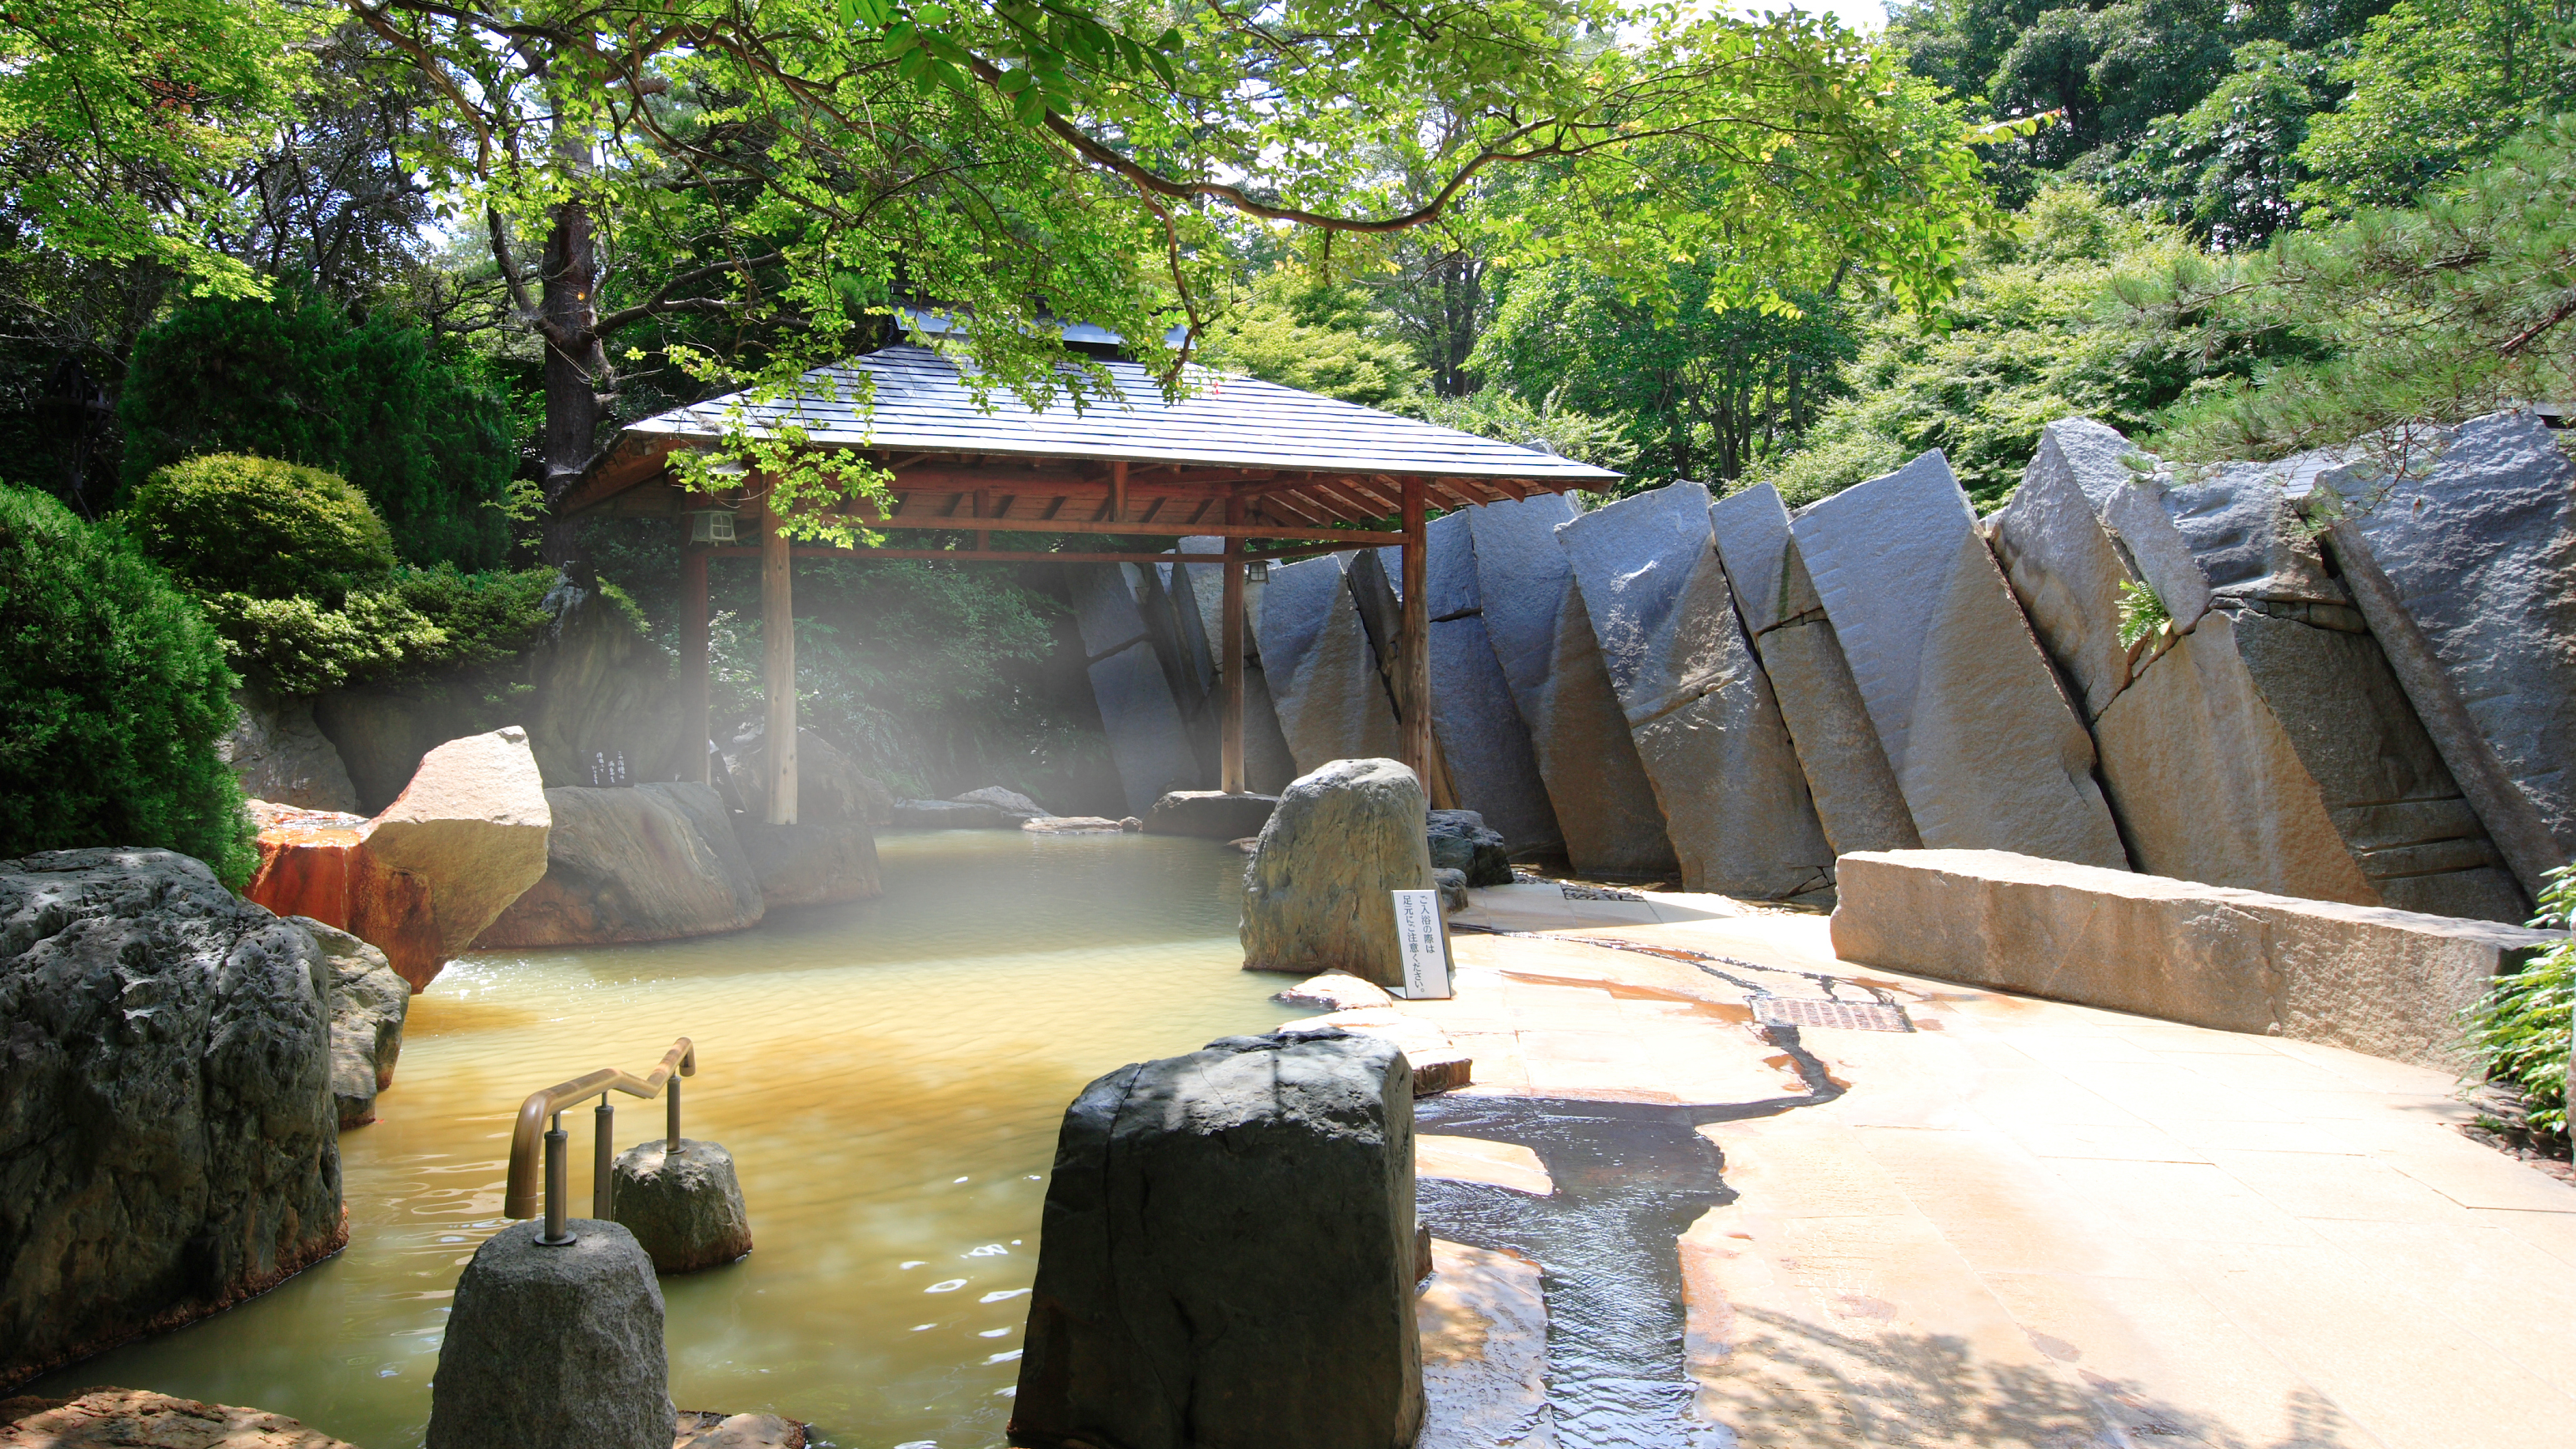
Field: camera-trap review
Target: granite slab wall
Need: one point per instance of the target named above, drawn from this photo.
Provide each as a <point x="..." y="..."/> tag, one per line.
<point x="1706" y="724"/>
<point x="1324" y="684"/>
<point x="1148" y="741"/>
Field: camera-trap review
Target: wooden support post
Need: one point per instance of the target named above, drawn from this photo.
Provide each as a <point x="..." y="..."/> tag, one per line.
<point x="1117" y="489"/>
<point x="1230" y="718"/>
<point x="1413" y="640"/>
<point x="778" y="665"/>
<point x="693" y="665"/>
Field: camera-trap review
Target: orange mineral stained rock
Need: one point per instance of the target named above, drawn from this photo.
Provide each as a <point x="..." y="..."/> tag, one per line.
<point x="420" y="881"/>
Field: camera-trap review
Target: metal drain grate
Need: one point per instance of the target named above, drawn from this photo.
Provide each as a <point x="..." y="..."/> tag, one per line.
<point x="1844" y="1015"/>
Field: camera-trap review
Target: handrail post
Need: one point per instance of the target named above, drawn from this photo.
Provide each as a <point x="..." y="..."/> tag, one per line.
<point x="673" y="1145"/>
<point x="555" y="1235"/>
<point x="603" y="1161"/>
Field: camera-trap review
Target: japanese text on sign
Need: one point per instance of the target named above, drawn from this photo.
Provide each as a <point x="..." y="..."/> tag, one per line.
<point x="1424" y="937"/>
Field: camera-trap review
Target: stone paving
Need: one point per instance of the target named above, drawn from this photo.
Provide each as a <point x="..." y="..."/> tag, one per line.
<point x="2021" y="1223"/>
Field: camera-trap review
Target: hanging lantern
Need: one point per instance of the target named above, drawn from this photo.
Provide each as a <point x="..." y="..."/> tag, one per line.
<point x="711" y="525"/>
<point x="1256" y="571"/>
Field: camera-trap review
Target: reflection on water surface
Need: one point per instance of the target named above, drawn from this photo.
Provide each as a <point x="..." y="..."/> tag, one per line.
<point x="888" y="1076"/>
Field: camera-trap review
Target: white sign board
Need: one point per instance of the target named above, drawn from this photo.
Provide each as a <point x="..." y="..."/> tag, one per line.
<point x="1424" y="934"/>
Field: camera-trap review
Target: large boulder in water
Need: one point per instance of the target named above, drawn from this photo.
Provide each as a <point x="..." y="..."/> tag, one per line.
<point x="650" y="863"/>
<point x="1228" y="1255"/>
<point x="811" y="865"/>
<point x="555" y="1347"/>
<point x="473" y="827"/>
<point x="830" y="787"/>
<point x="168" y="1142"/>
<point x="368" y="1002"/>
<point x="1315" y="897"/>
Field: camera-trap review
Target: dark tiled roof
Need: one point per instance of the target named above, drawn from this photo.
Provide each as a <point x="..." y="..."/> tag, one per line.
<point x="922" y="402"/>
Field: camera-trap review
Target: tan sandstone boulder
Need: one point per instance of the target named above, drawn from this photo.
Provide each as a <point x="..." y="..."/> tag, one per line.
<point x="1315" y="897"/>
<point x="2390" y="983"/>
<point x="123" y="1418"/>
<point x="472" y="827"/>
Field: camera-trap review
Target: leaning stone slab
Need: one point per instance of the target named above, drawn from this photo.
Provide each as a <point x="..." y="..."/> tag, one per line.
<point x="651" y="863"/>
<point x="1316" y="895"/>
<point x="1981" y="740"/>
<point x="1706" y="724"/>
<point x="2387" y="982"/>
<point x="684" y="1207"/>
<point x="368" y="1002"/>
<point x="1855" y="795"/>
<point x="1541" y="636"/>
<point x="1323" y="676"/>
<point x="1209" y="814"/>
<point x="554" y="1347"/>
<point x="1228" y="1255"/>
<point x="2465" y="575"/>
<point x="1147" y="740"/>
<point x="127" y="1418"/>
<point x="2064" y="563"/>
<point x="168" y="1140"/>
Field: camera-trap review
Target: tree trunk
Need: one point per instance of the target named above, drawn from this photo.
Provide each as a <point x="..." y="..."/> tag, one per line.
<point x="579" y="383"/>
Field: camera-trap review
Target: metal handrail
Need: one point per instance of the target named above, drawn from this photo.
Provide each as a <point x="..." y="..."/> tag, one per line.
<point x="541" y="1124"/>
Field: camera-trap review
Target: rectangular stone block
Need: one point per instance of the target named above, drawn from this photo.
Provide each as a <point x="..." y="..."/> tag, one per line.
<point x="2387" y="982"/>
<point x="1322" y="674"/>
<point x="1981" y="740"/>
<point x="1855" y="794"/>
<point x="1707" y="726"/>
<point x="2465" y="575"/>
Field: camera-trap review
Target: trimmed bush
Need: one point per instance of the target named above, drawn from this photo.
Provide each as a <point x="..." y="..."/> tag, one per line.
<point x="228" y="523"/>
<point x="113" y="695"/>
<point x="412" y="622"/>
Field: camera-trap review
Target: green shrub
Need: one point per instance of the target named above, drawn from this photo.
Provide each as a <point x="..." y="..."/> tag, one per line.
<point x="413" y="621"/>
<point x="231" y="524"/>
<point x="2522" y="1031"/>
<point x="414" y="424"/>
<point x="113" y="695"/>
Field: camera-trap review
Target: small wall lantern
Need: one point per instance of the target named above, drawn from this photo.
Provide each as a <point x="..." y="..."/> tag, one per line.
<point x="1256" y="571"/>
<point x="711" y="525"/>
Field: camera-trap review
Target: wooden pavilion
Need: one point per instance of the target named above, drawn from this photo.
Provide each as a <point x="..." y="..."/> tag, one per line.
<point x="1239" y="459"/>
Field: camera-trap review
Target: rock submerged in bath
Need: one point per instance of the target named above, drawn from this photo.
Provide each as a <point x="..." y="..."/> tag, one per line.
<point x="125" y="1418"/>
<point x="171" y="1142"/>
<point x="685" y="1207"/>
<point x="1315" y="897"/>
<point x="1228" y="1255"/>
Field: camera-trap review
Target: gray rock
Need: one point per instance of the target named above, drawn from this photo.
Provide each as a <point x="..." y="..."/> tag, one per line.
<point x="830" y="787"/>
<point x="2064" y="564"/>
<point x="554" y="1347"/>
<point x="168" y="1140"/>
<point x="1267" y="764"/>
<point x="1854" y="792"/>
<point x="1228" y="1255"/>
<point x="811" y="865"/>
<point x="704" y="1429"/>
<point x="2465" y="577"/>
<point x="1452" y="885"/>
<point x="1148" y="742"/>
<point x="685" y="1208"/>
<point x="1323" y="677"/>
<point x="281" y="756"/>
<point x="1316" y="894"/>
<point x="1541" y="635"/>
<point x="1707" y="727"/>
<point x="1981" y="740"/>
<point x="950" y="815"/>
<point x="1210" y="814"/>
<point x="1009" y="802"/>
<point x="2157" y="550"/>
<point x="651" y="863"/>
<point x="2238" y="521"/>
<point x="368" y="1001"/>
<point x="1459" y="840"/>
<point x="2392" y="799"/>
